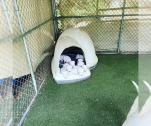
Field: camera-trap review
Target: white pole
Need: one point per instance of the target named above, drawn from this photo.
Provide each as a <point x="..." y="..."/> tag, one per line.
<point x="7" y="15"/>
<point x="28" y="108"/>
<point x="8" y="20"/>
<point x="25" y="44"/>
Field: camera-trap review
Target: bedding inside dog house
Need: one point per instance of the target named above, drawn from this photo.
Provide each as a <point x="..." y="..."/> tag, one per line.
<point x="34" y="35"/>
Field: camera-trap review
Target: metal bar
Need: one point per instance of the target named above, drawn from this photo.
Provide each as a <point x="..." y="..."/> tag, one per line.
<point x="137" y="15"/>
<point x="7" y="15"/>
<point x="66" y="17"/>
<point x="121" y="27"/>
<point x="97" y="7"/>
<point x="32" y="29"/>
<point x="51" y="5"/>
<point x="106" y="52"/>
<point x="53" y="17"/>
<point x="55" y="20"/>
<point x="28" y="32"/>
<point x="27" y="110"/>
<point x="133" y="19"/>
<point x="5" y="9"/>
<point x="29" y="107"/>
<point x="10" y="122"/>
<point x="96" y="16"/>
<point x="88" y="16"/>
<point x="25" y="44"/>
<point x="115" y="52"/>
<point x="108" y="9"/>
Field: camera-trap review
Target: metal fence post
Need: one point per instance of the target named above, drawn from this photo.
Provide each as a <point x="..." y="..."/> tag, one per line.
<point x="55" y="20"/>
<point x="7" y="15"/>
<point x="121" y="27"/>
<point x="4" y="5"/>
<point x="97" y="7"/>
<point x="25" y="44"/>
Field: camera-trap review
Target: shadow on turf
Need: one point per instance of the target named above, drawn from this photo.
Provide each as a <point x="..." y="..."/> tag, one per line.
<point x="103" y="113"/>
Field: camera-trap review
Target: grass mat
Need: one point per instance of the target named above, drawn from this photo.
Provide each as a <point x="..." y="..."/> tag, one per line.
<point x="102" y="100"/>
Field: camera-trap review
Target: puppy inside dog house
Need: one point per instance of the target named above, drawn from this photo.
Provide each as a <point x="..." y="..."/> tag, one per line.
<point x="74" y="56"/>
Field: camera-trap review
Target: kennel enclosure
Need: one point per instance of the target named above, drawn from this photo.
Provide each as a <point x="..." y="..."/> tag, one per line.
<point x="30" y="28"/>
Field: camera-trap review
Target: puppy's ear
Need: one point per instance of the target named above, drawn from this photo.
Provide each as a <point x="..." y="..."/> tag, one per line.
<point x="146" y="109"/>
<point x="136" y="86"/>
<point x="148" y="86"/>
<point x="135" y="107"/>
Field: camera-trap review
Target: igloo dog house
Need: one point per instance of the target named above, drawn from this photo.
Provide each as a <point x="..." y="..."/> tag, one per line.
<point x="71" y="39"/>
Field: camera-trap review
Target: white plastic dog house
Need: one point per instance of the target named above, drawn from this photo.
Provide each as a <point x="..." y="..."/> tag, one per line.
<point x="73" y="37"/>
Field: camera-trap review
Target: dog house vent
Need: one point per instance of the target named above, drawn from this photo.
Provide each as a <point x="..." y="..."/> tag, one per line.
<point x="74" y="56"/>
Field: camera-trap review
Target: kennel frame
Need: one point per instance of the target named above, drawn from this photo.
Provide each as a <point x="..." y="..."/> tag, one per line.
<point x="55" y="21"/>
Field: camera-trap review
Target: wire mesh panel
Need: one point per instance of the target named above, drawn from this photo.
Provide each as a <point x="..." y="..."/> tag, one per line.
<point x="145" y="35"/>
<point x="112" y="24"/>
<point x="129" y="39"/>
<point x="103" y="32"/>
<point x="23" y="88"/>
<point x="25" y="41"/>
<point x="100" y="19"/>
<point x="77" y="8"/>
<point x="131" y="7"/>
<point x="141" y="7"/>
<point x="6" y="101"/>
<point x="35" y="23"/>
<point x="136" y="17"/>
<point x="110" y="7"/>
<point x="6" y="66"/>
<point x="39" y="42"/>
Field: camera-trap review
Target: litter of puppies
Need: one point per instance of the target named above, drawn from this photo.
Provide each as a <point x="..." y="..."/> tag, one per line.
<point x="75" y="67"/>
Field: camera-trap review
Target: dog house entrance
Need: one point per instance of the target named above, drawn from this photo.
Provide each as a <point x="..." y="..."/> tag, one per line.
<point x="75" y="54"/>
<point x="72" y="65"/>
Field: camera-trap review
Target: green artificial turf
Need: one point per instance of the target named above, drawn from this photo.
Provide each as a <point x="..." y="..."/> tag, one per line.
<point x="102" y="100"/>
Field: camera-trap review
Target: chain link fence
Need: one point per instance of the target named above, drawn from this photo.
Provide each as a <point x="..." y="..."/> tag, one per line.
<point x="112" y="25"/>
<point x="27" y="29"/>
<point x="26" y="36"/>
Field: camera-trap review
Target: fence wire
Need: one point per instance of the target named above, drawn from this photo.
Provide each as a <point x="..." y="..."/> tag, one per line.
<point x="112" y="25"/>
<point x="26" y="35"/>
